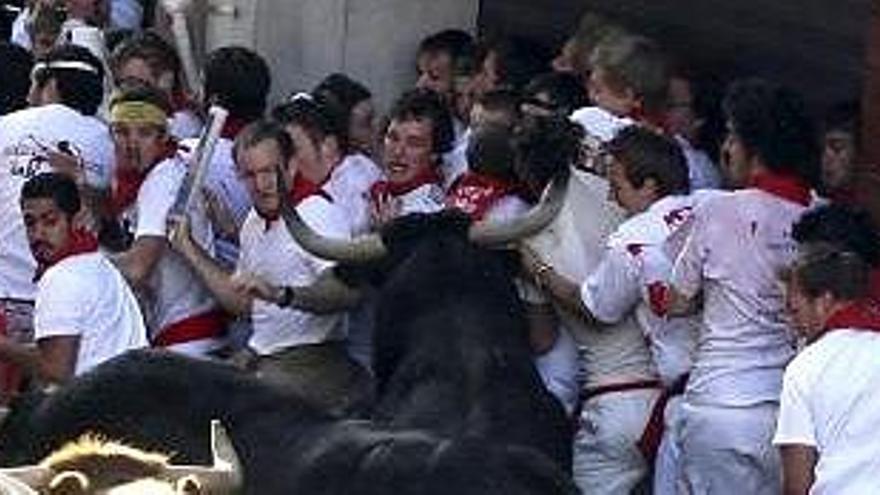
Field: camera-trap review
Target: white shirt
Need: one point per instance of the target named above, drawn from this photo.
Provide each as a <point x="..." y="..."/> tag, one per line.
<point x="184" y="124"/>
<point x="736" y="244"/>
<point x="19" y="34"/>
<point x="573" y="244"/>
<point x="454" y="163"/>
<point x="177" y="292"/>
<point x="26" y="136"/>
<point x="86" y="296"/>
<point x="222" y="179"/>
<point x="349" y="186"/>
<point x="427" y="198"/>
<point x="273" y="255"/>
<point x="831" y="401"/>
<point x="703" y="174"/>
<point x="616" y="288"/>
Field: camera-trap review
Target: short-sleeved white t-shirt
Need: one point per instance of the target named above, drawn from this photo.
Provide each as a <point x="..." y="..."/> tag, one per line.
<point x="349" y="186"/>
<point x="616" y="288"/>
<point x="86" y="296"/>
<point x="176" y="291"/>
<point x="831" y="401"/>
<point x="271" y="253"/>
<point x="26" y="138"/>
<point x="736" y="244"/>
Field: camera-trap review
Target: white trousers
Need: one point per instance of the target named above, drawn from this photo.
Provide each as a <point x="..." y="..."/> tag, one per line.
<point x="728" y="450"/>
<point x="606" y="458"/>
<point x="559" y="368"/>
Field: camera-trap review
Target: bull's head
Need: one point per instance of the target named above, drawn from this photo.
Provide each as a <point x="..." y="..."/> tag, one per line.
<point x="370" y="247"/>
<point x="90" y="466"/>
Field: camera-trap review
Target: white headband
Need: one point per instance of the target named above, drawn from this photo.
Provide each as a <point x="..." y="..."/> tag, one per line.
<point x="64" y="64"/>
<point x="302" y="95"/>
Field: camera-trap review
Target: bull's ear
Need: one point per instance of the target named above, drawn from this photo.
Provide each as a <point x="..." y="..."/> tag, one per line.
<point x="224" y="476"/>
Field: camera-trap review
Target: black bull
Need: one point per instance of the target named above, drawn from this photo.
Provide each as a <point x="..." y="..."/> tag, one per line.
<point x="461" y="407"/>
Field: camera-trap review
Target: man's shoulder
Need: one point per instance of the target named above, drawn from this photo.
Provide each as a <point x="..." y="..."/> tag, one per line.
<point x="73" y="271"/>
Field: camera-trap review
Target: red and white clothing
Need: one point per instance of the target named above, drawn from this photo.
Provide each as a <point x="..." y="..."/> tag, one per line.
<point x="606" y="457"/>
<point x="349" y="186"/>
<point x="736" y="245"/>
<point x="483" y="197"/>
<point x="182" y="313"/>
<point x="615" y="289"/>
<point x="84" y="295"/>
<point x="423" y="194"/>
<point x="26" y="139"/>
<point x="263" y="244"/>
<point x="831" y="402"/>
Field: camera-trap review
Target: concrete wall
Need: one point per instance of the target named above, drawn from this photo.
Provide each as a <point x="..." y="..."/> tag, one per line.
<point x="373" y="41"/>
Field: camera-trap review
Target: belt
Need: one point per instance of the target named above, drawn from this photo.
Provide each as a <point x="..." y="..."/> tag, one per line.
<point x="649" y="442"/>
<point x="611" y="388"/>
<point x="204" y="326"/>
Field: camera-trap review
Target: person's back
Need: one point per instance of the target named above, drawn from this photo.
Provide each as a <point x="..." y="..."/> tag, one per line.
<point x="744" y="343"/>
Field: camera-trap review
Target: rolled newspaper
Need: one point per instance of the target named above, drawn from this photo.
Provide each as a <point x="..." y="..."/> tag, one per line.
<point x="179" y="28"/>
<point x="200" y="161"/>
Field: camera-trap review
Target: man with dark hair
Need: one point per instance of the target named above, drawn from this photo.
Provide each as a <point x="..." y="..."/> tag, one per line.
<point x="736" y="244"/>
<point x="183" y="315"/>
<point x="354" y="102"/>
<point x="648" y="179"/>
<point x="446" y="65"/>
<point x="419" y="133"/>
<point x="840" y="144"/>
<point x="59" y="133"/>
<point x="85" y="313"/>
<point x="442" y="56"/>
<point x="828" y="409"/>
<point x="847" y="227"/>
<point x="15" y="79"/>
<point x="295" y="348"/>
<point x="237" y="79"/>
<point x="499" y="107"/>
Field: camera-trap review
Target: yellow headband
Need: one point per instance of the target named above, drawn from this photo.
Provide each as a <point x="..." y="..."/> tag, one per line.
<point x="138" y="112"/>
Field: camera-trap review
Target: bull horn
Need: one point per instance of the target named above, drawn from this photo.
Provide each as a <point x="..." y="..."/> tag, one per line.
<point x="224" y="476"/>
<point x="32" y="477"/>
<point x="363" y="249"/>
<point x="535" y="220"/>
<point x="10" y="484"/>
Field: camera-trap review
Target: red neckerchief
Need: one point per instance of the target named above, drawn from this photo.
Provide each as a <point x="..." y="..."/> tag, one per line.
<point x="860" y="315"/>
<point x="181" y="102"/>
<point x="783" y="185"/>
<point x="127" y="182"/>
<point x="303" y="188"/>
<point x="385" y="188"/>
<point x="81" y="242"/>
<point x="475" y="193"/>
<point x="232" y="127"/>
